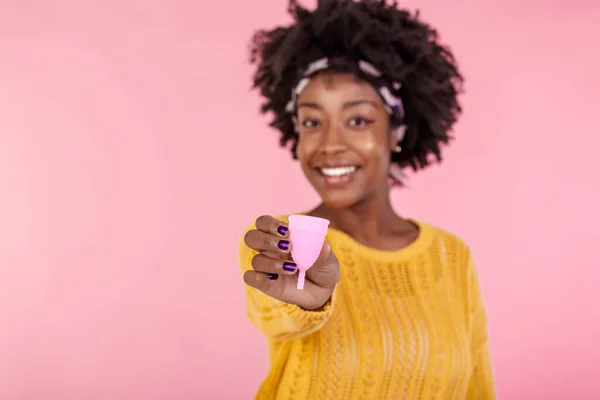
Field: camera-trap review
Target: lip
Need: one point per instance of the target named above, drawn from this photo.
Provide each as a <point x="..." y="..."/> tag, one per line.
<point x="337" y="182"/>
<point x="336" y="165"/>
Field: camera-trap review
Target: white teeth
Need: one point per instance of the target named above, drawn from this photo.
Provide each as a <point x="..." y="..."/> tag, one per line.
<point x="338" y="171"/>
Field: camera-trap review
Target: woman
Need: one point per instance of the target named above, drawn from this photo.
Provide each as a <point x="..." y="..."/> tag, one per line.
<point x="392" y="308"/>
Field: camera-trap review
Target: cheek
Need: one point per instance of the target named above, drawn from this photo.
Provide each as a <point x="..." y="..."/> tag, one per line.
<point x="305" y="149"/>
<point x="369" y="144"/>
<point x="372" y="147"/>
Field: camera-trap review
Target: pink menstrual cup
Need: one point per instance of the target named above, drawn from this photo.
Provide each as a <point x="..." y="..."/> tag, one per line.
<point x="307" y="235"/>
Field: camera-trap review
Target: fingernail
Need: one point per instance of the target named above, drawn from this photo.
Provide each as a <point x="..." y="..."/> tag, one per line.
<point x="283" y="244"/>
<point x="272" y="276"/>
<point x="289" y="266"/>
<point x="282" y="230"/>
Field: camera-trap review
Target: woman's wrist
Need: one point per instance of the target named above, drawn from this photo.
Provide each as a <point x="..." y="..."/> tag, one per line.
<point x="321" y="307"/>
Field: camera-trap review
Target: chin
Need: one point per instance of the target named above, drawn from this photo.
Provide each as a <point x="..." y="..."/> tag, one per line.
<point x="340" y="199"/>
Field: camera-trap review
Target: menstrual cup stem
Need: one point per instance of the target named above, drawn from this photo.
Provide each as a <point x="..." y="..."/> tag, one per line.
<point x="301" y="278"/>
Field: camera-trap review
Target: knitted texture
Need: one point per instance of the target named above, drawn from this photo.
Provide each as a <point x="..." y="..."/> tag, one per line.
<point x="405" y="324"/>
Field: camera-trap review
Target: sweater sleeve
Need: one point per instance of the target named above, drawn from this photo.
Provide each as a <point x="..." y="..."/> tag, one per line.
<point x="481" y="385"/>
<point x="277" y="320"/>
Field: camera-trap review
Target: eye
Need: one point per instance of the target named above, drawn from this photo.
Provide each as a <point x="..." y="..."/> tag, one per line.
<point x="310" y="123"/>
<point x="359" y="121"/>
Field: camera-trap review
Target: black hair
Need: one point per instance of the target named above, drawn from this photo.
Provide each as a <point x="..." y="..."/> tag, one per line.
<point x="396" y="42"/>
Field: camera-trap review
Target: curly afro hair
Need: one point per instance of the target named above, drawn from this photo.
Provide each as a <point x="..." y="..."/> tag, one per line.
<point x="395" y="41"/>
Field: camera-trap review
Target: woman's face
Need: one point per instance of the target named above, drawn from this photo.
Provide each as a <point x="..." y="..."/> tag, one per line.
<point x="344" y="139"/>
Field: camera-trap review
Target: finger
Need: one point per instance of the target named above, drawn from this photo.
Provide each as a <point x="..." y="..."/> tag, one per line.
<point x="262" y="263"/>
<point x="268" y="224"/>
<point x="277" y="254"/>
<point x="326" y="255"/>
<point x="262" y="241"/>
<point x="283" y="288"/>
<point x="326" y="271"/>
<point x="270" y="284"/>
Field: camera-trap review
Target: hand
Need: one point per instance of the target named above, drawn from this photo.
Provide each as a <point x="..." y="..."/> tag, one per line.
<point x="273" y="271"/>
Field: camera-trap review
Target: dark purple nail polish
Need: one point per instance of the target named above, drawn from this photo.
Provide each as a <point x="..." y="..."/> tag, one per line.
<point x="282" y="230"/>
<point x="272" y="276"/>
<point x="283" y="244"/>
<point x="289" y="266"/>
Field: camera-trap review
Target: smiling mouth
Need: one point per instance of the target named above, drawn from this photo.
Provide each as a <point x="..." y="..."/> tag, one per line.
<point x="337" y="171"/>
<point x="336" y="176"/>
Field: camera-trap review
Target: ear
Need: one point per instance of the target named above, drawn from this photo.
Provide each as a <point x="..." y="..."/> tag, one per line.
<point x="396" y="136"/>
<point x="393" y="140"/>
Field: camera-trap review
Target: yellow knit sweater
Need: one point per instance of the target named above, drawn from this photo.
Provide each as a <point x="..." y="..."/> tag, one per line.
<point x="407" y="324"/>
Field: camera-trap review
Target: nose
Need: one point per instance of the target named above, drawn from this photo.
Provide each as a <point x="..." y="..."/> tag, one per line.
<point x="332" y="141"/>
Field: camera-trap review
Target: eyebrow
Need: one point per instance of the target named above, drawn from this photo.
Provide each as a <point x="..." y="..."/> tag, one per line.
<point x="347" y="104"/>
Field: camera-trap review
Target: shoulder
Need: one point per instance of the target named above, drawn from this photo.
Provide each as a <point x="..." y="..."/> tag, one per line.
<point x="444" y="236"/>
<point x="449" y="245"/>
<point x="455" y="257"/>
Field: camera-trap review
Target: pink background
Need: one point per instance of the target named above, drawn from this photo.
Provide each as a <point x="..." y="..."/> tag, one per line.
<point x="132" y="156"/>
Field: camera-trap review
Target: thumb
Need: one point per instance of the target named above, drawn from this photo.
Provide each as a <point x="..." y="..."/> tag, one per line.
<point x="326" y="271"/>
<point x="326" y="256"/>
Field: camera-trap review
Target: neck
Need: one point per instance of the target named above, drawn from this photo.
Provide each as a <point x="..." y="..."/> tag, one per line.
<point x="365" y="221"/>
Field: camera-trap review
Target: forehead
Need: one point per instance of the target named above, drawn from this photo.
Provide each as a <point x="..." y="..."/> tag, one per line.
<point x="339" y="84"/>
